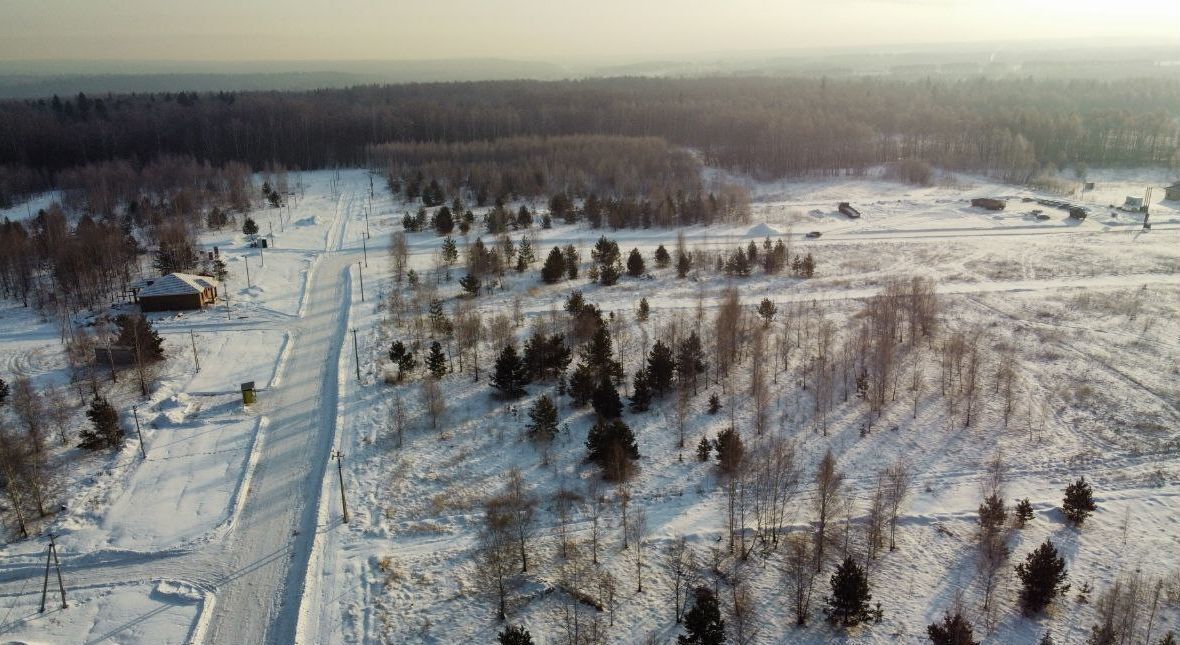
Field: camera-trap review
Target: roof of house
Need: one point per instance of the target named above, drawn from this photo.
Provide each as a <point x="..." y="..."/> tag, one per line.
<point x="1175" y="184"/>
<point x="177" y="284"/>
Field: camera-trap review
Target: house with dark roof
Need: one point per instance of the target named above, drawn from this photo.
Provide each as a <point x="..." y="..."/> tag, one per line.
<point x="175" y="292"/>
<point x="1172" y="193"/>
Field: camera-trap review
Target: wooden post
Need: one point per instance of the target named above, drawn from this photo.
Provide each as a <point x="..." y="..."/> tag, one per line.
<point x="193" y="338"/>
<point x="138" y="432"/>
<point x="361" y="273"/>
<point x="357" y="355"/>
<point x="340" y="472"/>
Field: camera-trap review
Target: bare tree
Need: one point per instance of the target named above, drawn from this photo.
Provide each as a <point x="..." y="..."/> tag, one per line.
<point x="774" y="482"/>
<point x="898" y="481"/>
<point x="800" y="573"/>
<point x="878" y="516"/>
<point x="434" y="402"/>
<point x="497" y="559"/>
<point x="638" y="531"/>
<point x="680" y="560"/>
<point x="596" y="502"/>
<point x="399" y="254"/>
<point x="726" y="331"/>
<point x="518" y="506"/>
<point x="397" y="418"/>
<point x="59" y="412"/>
<point x="829" y="484"/>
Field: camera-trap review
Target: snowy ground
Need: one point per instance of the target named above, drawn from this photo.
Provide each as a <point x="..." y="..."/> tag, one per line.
<point x="231" y="528"/>
<point x="1103" y="392"/>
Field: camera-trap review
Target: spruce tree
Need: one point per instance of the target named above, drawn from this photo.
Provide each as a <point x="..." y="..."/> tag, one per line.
<point x="661" y="367"/>
<point x="4" y="391"/>
<point x="641" y="394"/>
<point x="1042" y="577"/>
<point x="606" y="254"/>
<point x="571" y="257"/>
<point x="953" y="630"/>
<point x="849" y="603"/>
<point x="635" y="264"/>
<point x="515" y="635"/>
<point x="683" y="266"/>
<point x="104" y="431"/>
<point x="436" y="361"/>
<point x="663" y="259"/>
<point x="250" y="227"/>
<point x="543" y="417"/>
<point x="137" y="333"/>
<point x="510" y="375"/>
<point x="703" y="624"/>
<point x="1079" y="501"/>
<point x="1024" y="512"/>
<point x="554" y="268"/>
<point x="525" y="255"/>
<point x="643" y="310"/>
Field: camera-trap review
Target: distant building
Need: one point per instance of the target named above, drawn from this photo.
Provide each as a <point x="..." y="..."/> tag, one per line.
<point x="989" y="203"/>
<point x="175" y="292"/>
<point x="1172" y="193"/>
<point x="1133" y="204"/>
<point x="848" y="210"/>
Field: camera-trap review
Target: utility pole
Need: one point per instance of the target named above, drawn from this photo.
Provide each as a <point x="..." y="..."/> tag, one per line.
<point x="340" y="472"/>
<point x="262" y="255"/>
<point x="368" y="210"/>
<point x="247" y="259"/>
<point x="365" y="248"/>
<point x="142" y="450"/>
<point x="51" y="556"/>
<point x="361" y="272"/>
<point x="193" y="338"/>
<point x="356" y="354"/>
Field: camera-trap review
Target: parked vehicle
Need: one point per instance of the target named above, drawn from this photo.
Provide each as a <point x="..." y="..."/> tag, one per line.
<point x="812" y="235"/>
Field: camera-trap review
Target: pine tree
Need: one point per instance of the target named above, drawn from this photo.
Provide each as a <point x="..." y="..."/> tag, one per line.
<point x="661" y="368"/>
<point x="543" y="416"/>
<point x="1024" y="512"/>
<point x="703" y="624"/>
<point x="250" y="227"/>
<point x="545" y="356"/>
<point x="436" y="361"/>
<point x="571" y="257"/>
<point x="992" y="513"/>
<point x="4" y="391"/>
<point x="515" y="635"/>
<point x="554" y="268"/>
<point x="683" y="265"/>
<point x="510" y="375"/>
<point x="524" y="219"/>
<point x="849" y="603"/>
<point x="1168" y="639"/>
<point x="704" y="447"/>
<point x="641" y="394"/>
<point x="450" y="252"/>
<point x="643" y="310"/>
<point x="104" y="431"/>
<point x="953" y="630"/>
<point x="470" y="284"/>
<point x="1079" y="501"/>
<point x="1042" y="576"/>
<point x="524" y="255"/>
<point x="611" y="445"/>
<point x="731" y="451"/>
<point x="714" y="404"/>
<point x="767" y="310"/>
<point x="663" y="259"/>
<point x="635" y="264"/>
<point x="546" y="221"/>
<point x="606" y="400"/>
<point x="606" y="254"/>
<point x="402" y="358"/>
<point x="444" y="221"/>
<point x="581" y="386"/>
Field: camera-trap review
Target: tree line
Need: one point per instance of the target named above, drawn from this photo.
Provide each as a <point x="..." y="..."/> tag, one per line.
<point x="765" y="126"/>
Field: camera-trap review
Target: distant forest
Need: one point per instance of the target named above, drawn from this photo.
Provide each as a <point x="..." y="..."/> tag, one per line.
<point x="768" y="127"/>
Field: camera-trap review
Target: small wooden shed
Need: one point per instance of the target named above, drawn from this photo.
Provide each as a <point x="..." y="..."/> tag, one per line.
<point x="1172" y="193"/>
<point x="989" y="203"/>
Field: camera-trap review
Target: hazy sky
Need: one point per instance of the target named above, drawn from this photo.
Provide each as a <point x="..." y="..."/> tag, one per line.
<point x="542" y="29"/>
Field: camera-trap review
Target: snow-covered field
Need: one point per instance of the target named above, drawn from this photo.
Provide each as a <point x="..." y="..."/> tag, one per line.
<point x="163" y="549"/>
